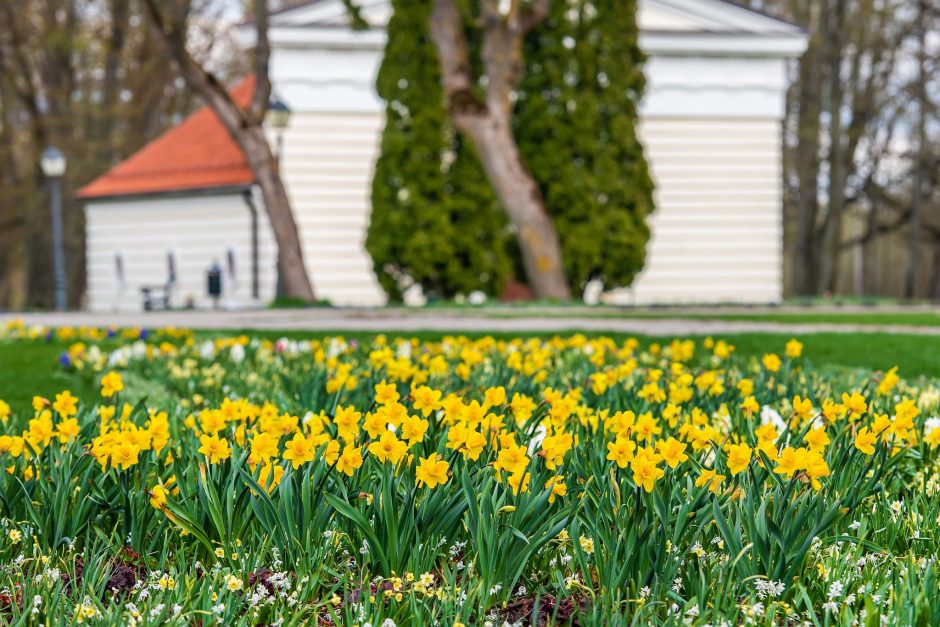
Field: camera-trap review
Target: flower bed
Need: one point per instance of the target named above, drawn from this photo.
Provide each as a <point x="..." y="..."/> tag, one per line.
<point x="473" y="481"/>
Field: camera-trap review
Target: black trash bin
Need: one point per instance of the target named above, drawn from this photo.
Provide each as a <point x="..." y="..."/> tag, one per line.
<point x="214" y="283"/>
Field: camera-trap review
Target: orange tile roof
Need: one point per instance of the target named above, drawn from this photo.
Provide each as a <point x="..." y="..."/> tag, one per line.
<point x="198" y="153"/>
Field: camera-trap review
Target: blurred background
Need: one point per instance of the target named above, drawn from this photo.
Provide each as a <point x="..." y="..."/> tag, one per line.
<point x="359" y="153"/>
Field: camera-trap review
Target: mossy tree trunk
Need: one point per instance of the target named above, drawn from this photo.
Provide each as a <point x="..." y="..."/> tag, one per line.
<point x="487" y="122"/>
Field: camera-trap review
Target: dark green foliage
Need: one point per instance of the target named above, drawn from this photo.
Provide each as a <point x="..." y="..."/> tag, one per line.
<point x="434" y="217"/>
<point x="575" y="127"/>
<point x="574" y="122"/>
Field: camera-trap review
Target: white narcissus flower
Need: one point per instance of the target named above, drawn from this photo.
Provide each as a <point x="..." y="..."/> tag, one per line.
<point x="771" y="415"/>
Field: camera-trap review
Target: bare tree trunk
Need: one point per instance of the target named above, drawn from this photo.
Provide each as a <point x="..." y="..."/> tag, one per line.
<point x="246" y="128"/>
<point x="487" y="124"/>
<point x="912" y="276"/>
<point x="807" y="168"/>
<point x="16" y="288"/>
<point x="109" y="89"/>
<point x="289" y="258"/>
<point x="935" y="278"/>
<point x="832" y="231"/>
<point x="519" y="194"/>
<point x="14" y="268"/>
<point x="868" y="257"/>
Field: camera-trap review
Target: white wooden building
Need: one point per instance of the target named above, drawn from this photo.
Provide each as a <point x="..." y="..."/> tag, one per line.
<point x="710" y="122"/>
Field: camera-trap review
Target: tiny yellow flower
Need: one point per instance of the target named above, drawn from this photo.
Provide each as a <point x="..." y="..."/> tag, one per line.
<point x="111" y="384"/>
<point x="794" y="348"/>
<point x="65" y="404"/>
<point x="771" y="362"/>
<point x="587" y="544"/>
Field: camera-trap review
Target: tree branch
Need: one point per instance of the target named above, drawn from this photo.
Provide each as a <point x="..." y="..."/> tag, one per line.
<point x="206" y="83"/>
<point x="450" y="40"/>
<point x="262" y="56"/>
<point x="534" y="14"/>
<point x="903" y="213"/>
<point x="356" y="20"/>
<point x="876" y="230"/>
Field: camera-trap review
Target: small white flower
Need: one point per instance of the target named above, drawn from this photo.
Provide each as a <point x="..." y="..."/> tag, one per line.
<point x="835" y="590"/>
<point x="769" y="414"/>
<point x="237" y="353"/>
<point x="767" y="588"/>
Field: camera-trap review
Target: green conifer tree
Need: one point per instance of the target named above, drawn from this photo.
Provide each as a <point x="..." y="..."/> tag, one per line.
<point x="575" y="124"/>
<point x="435" y="220"/>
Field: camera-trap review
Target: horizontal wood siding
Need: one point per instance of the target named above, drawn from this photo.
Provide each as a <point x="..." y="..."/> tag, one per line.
<point x="717" y="229"/>
<point x="328" y="162"/>
<point x="198" y="230"/>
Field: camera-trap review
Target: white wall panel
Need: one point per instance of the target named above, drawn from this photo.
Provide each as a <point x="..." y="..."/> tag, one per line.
<point x="198" y="230"/>
<point x="717" y="229"/>
<point x="328" y="162"/>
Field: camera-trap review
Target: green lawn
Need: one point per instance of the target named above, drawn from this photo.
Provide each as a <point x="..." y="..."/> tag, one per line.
<point x="915" y="355"/>
<point x="843" y="310"/>
<point x="919" y="318"/>
<point x="30" y="368"/>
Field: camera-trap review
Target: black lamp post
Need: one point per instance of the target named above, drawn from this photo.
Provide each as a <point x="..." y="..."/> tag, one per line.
<point x="53" y="163"/>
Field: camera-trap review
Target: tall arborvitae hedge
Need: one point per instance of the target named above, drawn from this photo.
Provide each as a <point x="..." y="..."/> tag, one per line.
<point x="435" y="220"/>
<point x="575" y="124"/>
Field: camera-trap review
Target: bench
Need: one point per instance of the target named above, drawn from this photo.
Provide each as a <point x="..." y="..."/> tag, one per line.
<point x="156" y="296"/>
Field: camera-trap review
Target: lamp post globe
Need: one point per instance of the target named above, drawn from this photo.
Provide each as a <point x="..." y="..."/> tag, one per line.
<point x="52" y="162"/>
<point x="278" y="114"/>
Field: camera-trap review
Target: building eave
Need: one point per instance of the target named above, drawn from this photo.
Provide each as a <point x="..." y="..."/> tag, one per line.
<point x="675" y="43"/>
<point x="672" y="43"/>
<point x="334" y="37"/>
<point x="199" y="192"/>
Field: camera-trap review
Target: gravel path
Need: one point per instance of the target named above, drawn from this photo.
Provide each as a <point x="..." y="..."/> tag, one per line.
<point x="402" y="320"/>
